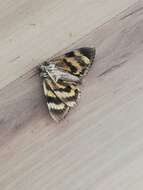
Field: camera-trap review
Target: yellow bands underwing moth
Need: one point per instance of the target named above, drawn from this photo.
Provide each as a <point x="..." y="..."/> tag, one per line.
<point x="61" y="78"/>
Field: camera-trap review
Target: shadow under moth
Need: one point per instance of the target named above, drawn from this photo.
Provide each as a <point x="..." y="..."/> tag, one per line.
<point x="62" y="76"/>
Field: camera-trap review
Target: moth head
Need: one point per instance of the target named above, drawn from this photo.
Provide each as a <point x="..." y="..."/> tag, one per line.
<point x="45" y="68"/>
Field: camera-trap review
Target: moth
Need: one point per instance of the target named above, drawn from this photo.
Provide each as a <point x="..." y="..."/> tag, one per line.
<point x="61" y="78"/>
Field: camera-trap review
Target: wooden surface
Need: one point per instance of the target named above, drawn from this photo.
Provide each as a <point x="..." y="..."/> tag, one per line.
<point x="99" y="145"/>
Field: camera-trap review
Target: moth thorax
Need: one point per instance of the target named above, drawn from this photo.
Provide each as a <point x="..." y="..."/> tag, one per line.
<point x="51" y="67"/>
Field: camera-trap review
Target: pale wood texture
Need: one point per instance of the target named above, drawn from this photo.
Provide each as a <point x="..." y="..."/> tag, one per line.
<point x="99" y="145"/>
<point x="32" y="30"/>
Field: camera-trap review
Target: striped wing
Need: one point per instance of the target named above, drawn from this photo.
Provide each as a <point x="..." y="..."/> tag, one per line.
<point x="67" y="93"/>
<point x="61" y="75"/>
<point x="57" y="109"/>
<point x="76" y="62"/>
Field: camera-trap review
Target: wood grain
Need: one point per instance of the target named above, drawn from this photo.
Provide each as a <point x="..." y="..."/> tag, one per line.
<point x="31" y="31"/>
<point x="99" y="145"/>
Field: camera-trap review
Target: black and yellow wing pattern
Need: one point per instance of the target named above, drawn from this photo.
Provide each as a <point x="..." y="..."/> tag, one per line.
<point x="62" y="76"/>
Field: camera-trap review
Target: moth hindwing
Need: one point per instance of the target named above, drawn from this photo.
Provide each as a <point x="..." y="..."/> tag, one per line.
<point x="61" y="77"/>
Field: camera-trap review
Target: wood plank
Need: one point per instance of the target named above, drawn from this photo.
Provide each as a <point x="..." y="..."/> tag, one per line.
<point x="100" y="144"/>
<point x="31" y="31"/>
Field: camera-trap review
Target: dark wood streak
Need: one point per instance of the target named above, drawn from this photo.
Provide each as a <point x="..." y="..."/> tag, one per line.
<point x="111" y="69"/>
<point x="132" y="13"/>
<point x="14" y="59"/>
<point x="2" y="121"/>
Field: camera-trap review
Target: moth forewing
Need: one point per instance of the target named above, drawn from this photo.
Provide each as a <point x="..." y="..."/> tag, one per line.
<point x="67" y="93"/>
<point x="57" y="109"/>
